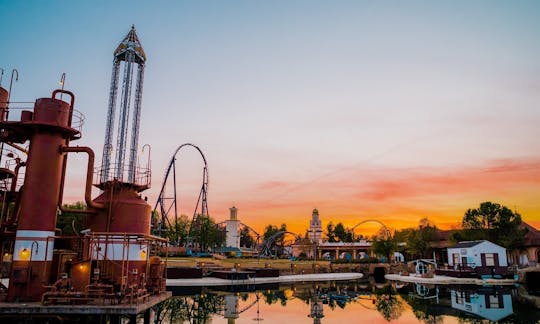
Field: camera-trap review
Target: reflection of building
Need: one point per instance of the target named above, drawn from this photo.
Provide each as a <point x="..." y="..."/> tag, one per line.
<point x="492" y="306"/>
<point x="315" y="228"/>
<point x="233" y="229"/>
<point x="316" y="310"/>
<point x="231" y="308"/>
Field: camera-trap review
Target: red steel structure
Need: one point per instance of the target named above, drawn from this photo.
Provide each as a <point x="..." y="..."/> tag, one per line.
<point x="114" y="258"/>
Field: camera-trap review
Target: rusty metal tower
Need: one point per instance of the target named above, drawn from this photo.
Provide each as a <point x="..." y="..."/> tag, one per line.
<point x="131" y="54"/>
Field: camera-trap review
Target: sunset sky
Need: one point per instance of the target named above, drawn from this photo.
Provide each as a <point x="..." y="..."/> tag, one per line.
<point x="394" y="110"/>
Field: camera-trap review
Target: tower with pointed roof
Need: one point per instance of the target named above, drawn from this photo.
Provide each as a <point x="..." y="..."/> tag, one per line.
<point x="128" y="56"/>
<point x="315" y="228"/>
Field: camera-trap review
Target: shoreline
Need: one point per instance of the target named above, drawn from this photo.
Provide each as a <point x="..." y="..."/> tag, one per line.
<point x="445" y="280"/>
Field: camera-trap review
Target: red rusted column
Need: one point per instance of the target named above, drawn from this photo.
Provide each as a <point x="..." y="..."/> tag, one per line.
<point x="47" y="130"/>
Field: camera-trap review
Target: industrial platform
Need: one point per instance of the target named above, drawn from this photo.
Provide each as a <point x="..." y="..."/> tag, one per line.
<point x="36" y="308"/>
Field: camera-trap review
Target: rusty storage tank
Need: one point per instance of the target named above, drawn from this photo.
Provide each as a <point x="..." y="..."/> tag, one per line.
<point x="124" y="220"/>
<point x="48" y="131"/>
<point x="126" y="211"/>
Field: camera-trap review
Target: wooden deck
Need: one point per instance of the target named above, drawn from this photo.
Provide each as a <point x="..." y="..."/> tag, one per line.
<point x="36" y="308"/>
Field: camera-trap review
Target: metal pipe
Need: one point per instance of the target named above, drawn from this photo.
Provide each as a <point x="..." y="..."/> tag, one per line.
<point x="89" y="174"/>
<point x="64" y="162"/>
<point x="62" y="82"/>
<point x="14" y="71"/>
<point x="16" y="171"/>
<point x="18" y="147"/>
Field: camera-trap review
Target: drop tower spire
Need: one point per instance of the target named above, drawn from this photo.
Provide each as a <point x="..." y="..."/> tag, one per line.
<point x="128" y="56"/>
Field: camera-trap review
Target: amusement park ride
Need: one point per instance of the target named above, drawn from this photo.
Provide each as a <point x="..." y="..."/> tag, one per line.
<point x="114" y="259"/>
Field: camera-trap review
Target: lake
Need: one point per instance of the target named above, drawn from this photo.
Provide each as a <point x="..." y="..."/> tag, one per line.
<point x="347" y="302"/>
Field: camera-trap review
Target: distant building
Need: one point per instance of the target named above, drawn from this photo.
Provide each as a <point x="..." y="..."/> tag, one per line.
<point x="315" y="228"/>
<point x="529" y="253"/>
<point x="232" y="239"/>
<point x="482" y="257"/>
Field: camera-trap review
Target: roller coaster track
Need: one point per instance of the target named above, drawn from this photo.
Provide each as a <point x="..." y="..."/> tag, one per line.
<point x="168" y="204"/>
<point x="385" y="231"/>
<point x="266" y="247"/>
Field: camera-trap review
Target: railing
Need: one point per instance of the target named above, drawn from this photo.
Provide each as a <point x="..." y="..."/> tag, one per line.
<point x="121" y="173"/>
<point x="14" y="114"/>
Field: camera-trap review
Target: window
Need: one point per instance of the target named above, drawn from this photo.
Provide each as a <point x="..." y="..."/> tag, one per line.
<point x="494" y="301"/>
<point x="459" y="298"/>
<point x="455" y="257"/>
<point x="490" y="259"/>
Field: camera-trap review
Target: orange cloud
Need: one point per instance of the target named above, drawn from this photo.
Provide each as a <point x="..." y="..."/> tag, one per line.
<point x="398" y="197"/>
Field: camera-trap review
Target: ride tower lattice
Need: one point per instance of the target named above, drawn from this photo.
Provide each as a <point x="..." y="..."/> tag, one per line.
<point x="128" y="55"/>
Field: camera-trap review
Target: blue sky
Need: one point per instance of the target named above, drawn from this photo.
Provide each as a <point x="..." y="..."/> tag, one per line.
<point x="292" y="101"/>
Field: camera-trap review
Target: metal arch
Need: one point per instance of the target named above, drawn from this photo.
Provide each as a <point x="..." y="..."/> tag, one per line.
<point x="385" y="229"/>
<point x="267" y="244"/>
<point x="251" y="229"/>
<point x="202" y="199"/>
<point x="257" y="235"/>
<point x="368" y="221"/>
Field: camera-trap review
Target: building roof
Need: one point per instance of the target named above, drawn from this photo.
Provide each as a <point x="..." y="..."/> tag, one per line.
<point x="467" y="244"/>
<point x="532" y="238"/>
<point x="131" y="43"/>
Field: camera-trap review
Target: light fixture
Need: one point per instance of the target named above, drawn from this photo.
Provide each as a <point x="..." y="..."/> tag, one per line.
<point x="24" y="254"/>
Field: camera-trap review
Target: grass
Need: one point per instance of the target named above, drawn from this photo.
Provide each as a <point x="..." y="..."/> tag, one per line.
<point x="283" y="264"/>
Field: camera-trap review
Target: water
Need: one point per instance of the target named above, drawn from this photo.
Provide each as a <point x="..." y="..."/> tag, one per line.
<point x="348" y="302"/>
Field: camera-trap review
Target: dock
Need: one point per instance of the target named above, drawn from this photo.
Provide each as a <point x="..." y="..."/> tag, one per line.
<point x="214" y="282"/>
<point x="114" y="312"/>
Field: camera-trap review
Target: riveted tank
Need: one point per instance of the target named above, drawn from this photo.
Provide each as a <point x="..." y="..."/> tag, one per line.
<point x="126" y="211"/>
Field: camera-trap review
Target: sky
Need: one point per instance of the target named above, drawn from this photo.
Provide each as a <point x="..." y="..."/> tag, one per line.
<point x="386" y="110"/>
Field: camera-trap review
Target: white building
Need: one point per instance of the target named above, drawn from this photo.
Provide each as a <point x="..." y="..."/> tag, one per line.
<point x="477" y="254"/>
<point x="232" y="238"/>
<point x="315" y="228"/>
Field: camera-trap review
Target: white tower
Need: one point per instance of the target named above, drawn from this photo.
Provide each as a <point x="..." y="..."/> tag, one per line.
<point x="315" y="228"/>
<point x="233" y="229"/>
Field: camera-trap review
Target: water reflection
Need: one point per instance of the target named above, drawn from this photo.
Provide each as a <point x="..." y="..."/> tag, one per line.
<point x="494" y="304"/>
<point x="331" y="302"/>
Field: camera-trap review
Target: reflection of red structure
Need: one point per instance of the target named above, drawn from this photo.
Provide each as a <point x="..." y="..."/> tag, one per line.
<point x="114" y="256"/>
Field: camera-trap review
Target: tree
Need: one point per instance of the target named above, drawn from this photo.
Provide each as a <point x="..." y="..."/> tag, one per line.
<point x="178" y="230"/>
<point x="343" y="234"/>
<point x="206" y="233"/>
<point x="71" y="223"/>
<point x="338" y="233"/>
<point x="494" y="222"/>
<point x="418" y="240"/>
<point x="246" y="239"/>
<point x="330" y="232"/>
<point x="384" y="246"/>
